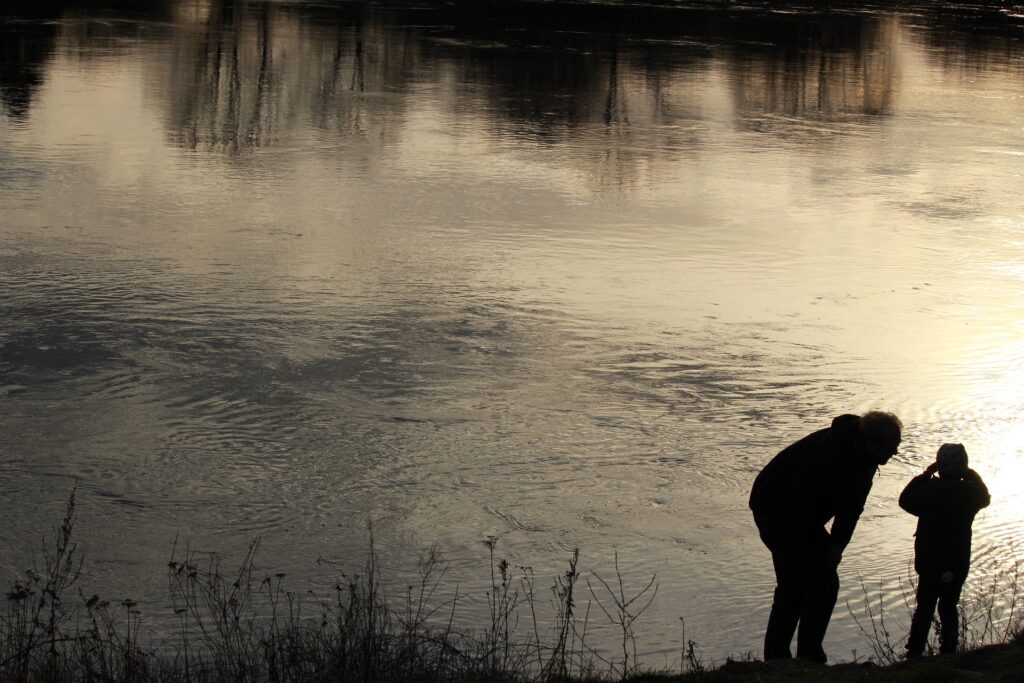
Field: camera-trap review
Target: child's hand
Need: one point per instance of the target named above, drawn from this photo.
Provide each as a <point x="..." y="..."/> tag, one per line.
<point x="931" y="469"/>
<point x="971" y="475"/>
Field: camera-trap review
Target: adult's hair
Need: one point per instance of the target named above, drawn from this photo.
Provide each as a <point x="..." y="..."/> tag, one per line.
<point x="884" y="429"/>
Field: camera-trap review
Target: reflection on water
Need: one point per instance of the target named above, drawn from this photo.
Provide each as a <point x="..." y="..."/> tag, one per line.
<point x="567" y="273"/>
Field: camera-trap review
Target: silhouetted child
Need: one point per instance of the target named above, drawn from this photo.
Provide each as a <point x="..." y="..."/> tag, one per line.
<point x="945" y="507"/>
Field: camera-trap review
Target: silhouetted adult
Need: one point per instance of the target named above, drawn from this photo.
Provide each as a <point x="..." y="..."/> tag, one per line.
<point x="824" y="476"/>
<point x="945" y="507"/>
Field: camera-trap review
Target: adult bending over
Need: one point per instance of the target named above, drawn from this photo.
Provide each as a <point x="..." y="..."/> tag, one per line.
<point x="824" y="476"/>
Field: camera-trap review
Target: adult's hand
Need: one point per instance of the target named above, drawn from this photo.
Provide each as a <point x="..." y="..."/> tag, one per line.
<point x="931" y="469"/>
<point x="835" y="553"/>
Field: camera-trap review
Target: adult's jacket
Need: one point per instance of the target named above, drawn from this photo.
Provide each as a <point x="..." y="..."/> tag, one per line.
<point x="945" y="510"/>
<point x="823" y="476"/>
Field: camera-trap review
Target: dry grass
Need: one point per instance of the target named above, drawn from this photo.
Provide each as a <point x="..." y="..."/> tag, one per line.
<point x="241" y="626"/>
<point x="989" y="615"/>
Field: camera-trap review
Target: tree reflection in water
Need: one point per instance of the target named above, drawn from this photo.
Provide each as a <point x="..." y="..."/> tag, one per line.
<point x="241" y="75"/>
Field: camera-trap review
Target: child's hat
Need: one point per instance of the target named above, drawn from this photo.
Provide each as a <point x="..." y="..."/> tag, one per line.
<point x="951" y="459"/>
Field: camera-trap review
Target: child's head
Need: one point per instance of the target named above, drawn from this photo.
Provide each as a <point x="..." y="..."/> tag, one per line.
<point x="951" y="460"/>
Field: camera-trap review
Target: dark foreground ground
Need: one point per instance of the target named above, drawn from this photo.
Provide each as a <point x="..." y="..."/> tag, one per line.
<point x="992" y="663"/>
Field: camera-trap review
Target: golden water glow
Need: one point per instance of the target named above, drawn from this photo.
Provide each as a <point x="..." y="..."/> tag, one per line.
<point x="1001" y="463"/>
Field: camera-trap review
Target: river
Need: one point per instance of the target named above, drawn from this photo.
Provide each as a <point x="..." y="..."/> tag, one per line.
<point x="563" y="274"/>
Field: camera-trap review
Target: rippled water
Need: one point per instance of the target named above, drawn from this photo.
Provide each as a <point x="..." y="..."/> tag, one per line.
<point x="565" y="274"/>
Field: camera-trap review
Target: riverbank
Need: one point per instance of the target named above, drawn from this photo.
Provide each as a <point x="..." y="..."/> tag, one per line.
<point x="245" y="625"/>
<point x="1003" y="662"/>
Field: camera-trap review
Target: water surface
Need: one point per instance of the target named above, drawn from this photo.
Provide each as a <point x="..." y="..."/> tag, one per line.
<point x="567" y="274"/>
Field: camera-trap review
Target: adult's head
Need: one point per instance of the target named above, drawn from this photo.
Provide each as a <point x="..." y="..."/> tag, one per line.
<point x="951" y="460"/>
<point x="882" y="433"/>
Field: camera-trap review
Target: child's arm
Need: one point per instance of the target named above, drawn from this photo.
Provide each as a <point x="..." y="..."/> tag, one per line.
<point x="914" y="498"/>
<point x="979" y="491"/>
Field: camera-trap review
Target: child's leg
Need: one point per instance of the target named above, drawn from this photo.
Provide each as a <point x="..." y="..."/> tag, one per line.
<point x="949" y="597"/>
<point x="927" y="595"/>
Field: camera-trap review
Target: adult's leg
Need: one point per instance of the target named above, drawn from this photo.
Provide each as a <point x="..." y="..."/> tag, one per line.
<point x="822" y="589"/>
<point x="949" y="598"/>
<point x="786" y="605"/>
<point x="927" y="595"/>
<point x="789" y="588"/>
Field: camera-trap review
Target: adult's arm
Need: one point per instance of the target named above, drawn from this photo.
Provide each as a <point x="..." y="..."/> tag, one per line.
<point x="850" y="509"/>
